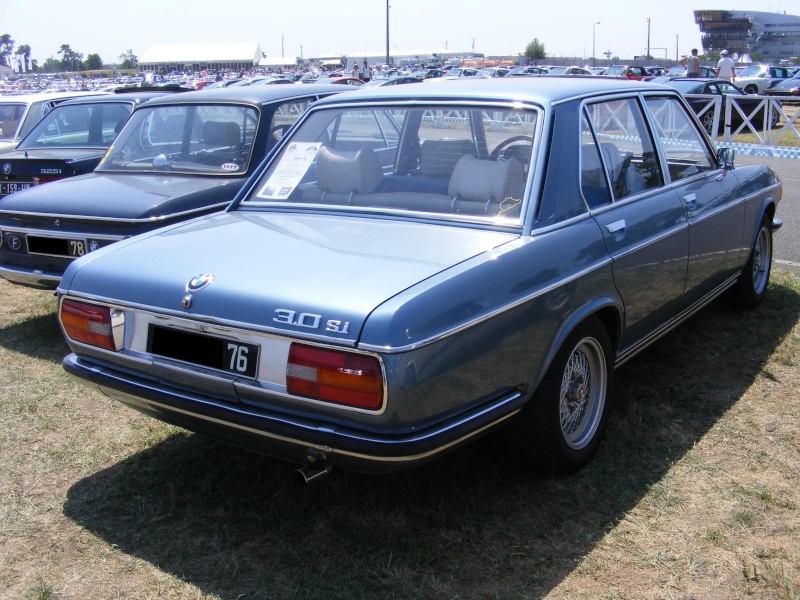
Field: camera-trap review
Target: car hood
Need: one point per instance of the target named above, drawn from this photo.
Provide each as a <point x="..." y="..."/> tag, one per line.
<point x="123" y="196"/>
<point x="65" y="154"/>
<point x="315" y="276"/>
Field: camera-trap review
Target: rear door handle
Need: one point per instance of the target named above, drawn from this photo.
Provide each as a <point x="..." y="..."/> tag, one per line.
<point x="616" y="226"/>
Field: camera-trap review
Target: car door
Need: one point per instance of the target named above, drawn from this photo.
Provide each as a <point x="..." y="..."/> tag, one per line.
<point x="709" y="197"/>
<point x="644" y="224"/>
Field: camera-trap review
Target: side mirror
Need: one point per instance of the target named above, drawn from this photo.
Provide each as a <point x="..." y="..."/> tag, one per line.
<point x="726" y="158"/>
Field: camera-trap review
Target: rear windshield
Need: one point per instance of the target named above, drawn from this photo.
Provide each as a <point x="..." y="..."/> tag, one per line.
<point x="190" y="138"/>
<point x="10" y="117"/>
<point x="451" y="162"/>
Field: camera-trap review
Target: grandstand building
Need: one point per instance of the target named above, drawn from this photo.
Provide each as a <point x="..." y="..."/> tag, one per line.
<point x="774" y="36"/>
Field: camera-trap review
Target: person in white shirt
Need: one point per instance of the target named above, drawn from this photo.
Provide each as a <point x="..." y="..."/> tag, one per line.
<point x="725" y="67"/>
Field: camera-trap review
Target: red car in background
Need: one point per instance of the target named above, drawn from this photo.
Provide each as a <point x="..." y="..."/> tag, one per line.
<point x="628" y="72"/>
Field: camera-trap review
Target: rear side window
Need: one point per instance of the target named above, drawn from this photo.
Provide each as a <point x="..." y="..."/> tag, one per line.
<point x="686" y="152"/>
<point x="625" y="146"/>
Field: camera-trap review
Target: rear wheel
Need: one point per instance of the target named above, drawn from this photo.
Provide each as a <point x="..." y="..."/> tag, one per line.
<point x="750" y="89"/>
<point x="708" y="121"/>
<point x="560" y="429"/>
<point x="751" y="287"/>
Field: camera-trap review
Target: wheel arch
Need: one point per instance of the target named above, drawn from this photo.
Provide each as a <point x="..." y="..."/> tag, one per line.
<point x="608" y="310"/>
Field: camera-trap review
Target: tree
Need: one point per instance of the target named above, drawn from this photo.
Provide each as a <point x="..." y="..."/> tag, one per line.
<point x="24" y="53"/>
<point x="6" y="46"/>
<point x="93" y="62"/>
<point x="71" y="60"/>
<point x="128" y="60"/>
<point x="51" y="65"/>
<point x="535" y="50"/>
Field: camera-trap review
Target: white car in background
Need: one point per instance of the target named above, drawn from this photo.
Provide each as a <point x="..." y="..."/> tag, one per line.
<point x="755" y="79"/>
<point x="18" y="114"/>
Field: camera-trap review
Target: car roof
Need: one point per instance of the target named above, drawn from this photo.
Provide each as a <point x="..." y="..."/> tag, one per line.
<point x="539" y="90"/>
<point x="254" y="95"/>
<point x="133" y="97"/>
<point x="39" y="96"/>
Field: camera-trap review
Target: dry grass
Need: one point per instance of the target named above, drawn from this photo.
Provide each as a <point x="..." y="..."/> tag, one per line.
<point x="694" y="494"/>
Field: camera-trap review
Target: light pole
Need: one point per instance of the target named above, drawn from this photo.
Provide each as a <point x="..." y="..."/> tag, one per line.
<point x="387" y="34"/>
<point x="594" y="27"/>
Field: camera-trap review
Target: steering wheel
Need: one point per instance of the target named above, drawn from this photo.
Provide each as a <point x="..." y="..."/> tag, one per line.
<point x="498" y="151"/>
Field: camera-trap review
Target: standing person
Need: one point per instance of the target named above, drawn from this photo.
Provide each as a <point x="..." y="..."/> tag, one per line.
<point x="366" y="73"/>
<point x="725" y="67"/>
<point x="356" y="71"/>
<point x="692" y="64"/>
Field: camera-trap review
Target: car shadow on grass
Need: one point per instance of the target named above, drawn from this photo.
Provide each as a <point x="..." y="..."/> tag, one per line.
<point x="38" y="337"/>
<point x="472" y="524"/>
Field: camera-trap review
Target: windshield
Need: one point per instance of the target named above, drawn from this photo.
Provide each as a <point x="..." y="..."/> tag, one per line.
<point x="454" y="162"/>
<point x="558" y="71"/>
<point x="207" y="139"/>
<point x="78" y="126"/>
<point x="10" y="117"/>
<point x="610" y="71"/>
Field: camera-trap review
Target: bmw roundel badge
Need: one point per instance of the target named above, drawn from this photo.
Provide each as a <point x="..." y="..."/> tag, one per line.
<point x="7" y="168"/>
<point x="198" y="282"/>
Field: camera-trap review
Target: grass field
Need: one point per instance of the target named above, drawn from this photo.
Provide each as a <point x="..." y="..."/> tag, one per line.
<point x="695" y="492"/>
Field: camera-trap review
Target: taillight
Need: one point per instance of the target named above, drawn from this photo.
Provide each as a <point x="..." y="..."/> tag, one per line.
<point x="335" y="376"/>
<point x="43" y="179"/>
<point x="91" y="324"/>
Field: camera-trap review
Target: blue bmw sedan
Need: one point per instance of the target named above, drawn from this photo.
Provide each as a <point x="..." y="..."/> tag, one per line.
<point x="417" y="266"/>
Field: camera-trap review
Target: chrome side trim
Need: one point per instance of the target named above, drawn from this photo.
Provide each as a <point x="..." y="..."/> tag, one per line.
<point x="652" y="241"/>
<point x="633" y="350"/>
<point x="29" y="215"/>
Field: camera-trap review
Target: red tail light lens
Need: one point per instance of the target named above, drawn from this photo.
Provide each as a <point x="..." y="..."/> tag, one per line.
<point x="88" y="323"/>
<point x="335" y="376"/>
<point x="44" y="179"/>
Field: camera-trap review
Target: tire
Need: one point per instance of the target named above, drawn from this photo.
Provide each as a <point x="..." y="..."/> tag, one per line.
<point x="750" y="289"/>
<point x="708" y="121"/>
<point x="750" y="89"/>
<point x="773" y="117"/>
<point x="561" y="427"/>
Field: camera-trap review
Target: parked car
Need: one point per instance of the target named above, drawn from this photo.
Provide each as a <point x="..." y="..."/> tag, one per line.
<point x="529" y="70"/>
<point x="493" y="72"/>
<point x="568" y="71"/>
<point x="429" y="73"/>
<point x="656" y="71"/>
<point x="385" y="289"/>
<point x="399" y="80"/>
<point x="70" y="140"/>
<point x="680" y="71"/>
<point x="627" y="71"/>
<point x="785" y="87"/>
<point x="351" y="81"/>
<point x="178" y="157"/>
<point x="457" y="72"/>
<point x="700" y="90"/>
<point x="756" y="79"/>
<point x="18" y="114"/>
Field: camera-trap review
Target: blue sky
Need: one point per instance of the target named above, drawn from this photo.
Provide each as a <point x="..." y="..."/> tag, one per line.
<point x="324" y="26"/>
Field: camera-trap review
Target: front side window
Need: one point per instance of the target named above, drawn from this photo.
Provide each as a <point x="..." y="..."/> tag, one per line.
<point x="686" y="152"/>
<point x="625" y="146"/>
<point x="191" y="138"/>
<point x="453" y="161"/>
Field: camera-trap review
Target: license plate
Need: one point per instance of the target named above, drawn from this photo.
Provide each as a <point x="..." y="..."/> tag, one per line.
<point x="57" y="246"/>
<point x="9" y="188"/>
<point x="229" y="355"/>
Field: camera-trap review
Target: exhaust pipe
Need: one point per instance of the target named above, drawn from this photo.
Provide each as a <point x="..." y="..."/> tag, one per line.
<point x="311" y="472"/>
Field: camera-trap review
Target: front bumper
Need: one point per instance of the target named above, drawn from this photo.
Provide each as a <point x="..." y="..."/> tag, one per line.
<point x="300" y="439"/>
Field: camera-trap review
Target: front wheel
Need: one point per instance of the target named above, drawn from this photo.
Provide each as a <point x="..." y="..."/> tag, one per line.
<point x="560" y="428"/>
<point x="751" y="89"/>
<point x="750" y="289"/>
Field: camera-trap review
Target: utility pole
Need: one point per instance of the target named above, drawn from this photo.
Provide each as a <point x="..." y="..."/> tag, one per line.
<point x="648" y="37"/>
<point x="387" y="34"/>
<point x="676" y="47"/>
